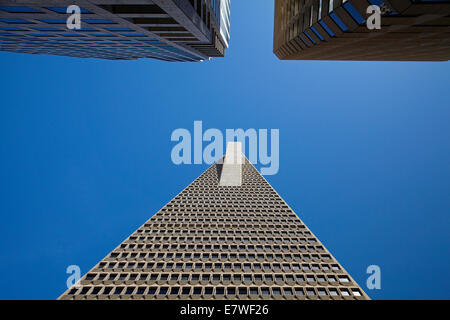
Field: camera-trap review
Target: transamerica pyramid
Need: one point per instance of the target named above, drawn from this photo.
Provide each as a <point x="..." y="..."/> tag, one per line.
<point x="228" y="235"/>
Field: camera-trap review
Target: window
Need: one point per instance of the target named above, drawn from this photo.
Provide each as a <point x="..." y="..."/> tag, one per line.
<point x="322" y="292"/>
<point x="13" y="9"/>
<point x="206" y="277"/>
<point x="220" y="291"/>
<point x="288" y="291"/>
<point x="253" y="291"/>
<point x="276" y="291"/>
<point x="195" y="277"/>
<point x="107" y="290"/>
<point x="73" y="291"/>
<point x="197" y="291"/>
<point x="299" y="292"/>
<point x="77" y="35"/>
<point x="309" y="37"/>
<point x="330" y="5"/>
<point x="289" y="278"/>
<point x="64" y="9"/>
<point x="317" y="33"/>
<point x="174" y="290"/>
<point x="231" y="291"/>
<point x="310" y="292"/>
<point x="320" y="10"/>
<point x="47" y="29"/>
<point x="14" y="20"/>
<point x="208" y="291"/>
<point x="11" y="29"/>
<point x="354" y="13"/>
<point x="164" y="277"/>
<point x="53" y="21"/>
<point x="134" y="35"/>
<point x="356" y="292"/>
<point x="118" y="290"/>
<point x="186" y="290"/>
<point x="338" y="21"/>
<point x="140" y="290"/>
<point x="90" y="277"/>
<point x="98" y="21"/>
<point x="242" y="291"/>
<point x="129" y="290"/>
<point x="163" y="290"/>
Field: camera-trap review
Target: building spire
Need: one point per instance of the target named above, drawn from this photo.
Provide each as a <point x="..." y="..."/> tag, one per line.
<point x="231" y="175"/>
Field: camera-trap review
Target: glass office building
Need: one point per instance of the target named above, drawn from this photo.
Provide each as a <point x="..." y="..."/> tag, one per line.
<point x="170" y="30"/>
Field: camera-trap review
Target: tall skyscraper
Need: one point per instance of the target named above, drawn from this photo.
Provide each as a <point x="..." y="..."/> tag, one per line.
<point x="170" y="30"/>
<point x="228" y="235"/>
<point x="416" y="30"/>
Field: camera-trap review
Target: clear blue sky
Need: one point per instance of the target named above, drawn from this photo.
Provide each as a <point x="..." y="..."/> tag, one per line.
<point x="85" y="155"/>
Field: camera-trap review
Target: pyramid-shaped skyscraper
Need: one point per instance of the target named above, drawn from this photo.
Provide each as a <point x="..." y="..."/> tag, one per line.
<point x="228" y="235"/>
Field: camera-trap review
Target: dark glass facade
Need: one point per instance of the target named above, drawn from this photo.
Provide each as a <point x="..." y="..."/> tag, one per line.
<point x="178" y="30"/>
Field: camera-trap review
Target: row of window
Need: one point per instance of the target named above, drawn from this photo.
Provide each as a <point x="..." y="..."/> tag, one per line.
<point x="135" y="49"/>
<point x="218" y="266"/>
<point x="211" y="195"/>
<point x="131" y="54"/>
<point x="205" y="226"/>
<point x="77" y="45"/>
<point x="349" y="9"/>
<point x="228" y="232"/>
<point x="225" y="278"/>
<point x="250" y="224"/>
<point x="22" y="9"/>
<point x="221" y="239"/>
<point x="247" y="184"/>
<point x="220" y="247"/>
<point x="54" y="21"/>
<point x="228" y="194"/>
<point x="229" y="291"/>
<point x="53" y="29"/>
<point x="74" y="35"/>
<point x="235" y="238"/>
<point x="112" y="48"/>
<point x="231" y="209"/>
<point x="202" y="202"/>
<point x="217" y="256"/>
<point x="286" y="223"/>
<point x="263" y="189"/>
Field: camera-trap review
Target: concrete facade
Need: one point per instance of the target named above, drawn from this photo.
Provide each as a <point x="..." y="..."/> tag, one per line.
<point x="220" y="242"/>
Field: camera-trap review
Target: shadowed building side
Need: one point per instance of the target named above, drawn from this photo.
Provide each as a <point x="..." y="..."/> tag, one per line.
<point x="337" y="30"/>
